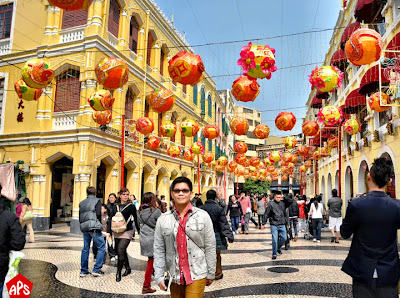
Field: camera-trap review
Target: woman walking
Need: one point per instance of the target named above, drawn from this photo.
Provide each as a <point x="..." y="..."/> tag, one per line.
<point x="302" y="214"/>
<point x="261" y="207"/>
<point x="122" y="239"/>
<point x="112" y="201"/>
<point x="316" y="215"/>
<point x="235" y="212"/>
<point x="148" y="215"/>
<point x="26" y="217"/>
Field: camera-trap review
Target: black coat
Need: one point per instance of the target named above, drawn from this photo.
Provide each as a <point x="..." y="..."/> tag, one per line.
<point x="294" y="210"/>
<point x="276" y="212"/>
<point x="218" y="217"/>
<point x="373" y="221"/>
<point x="11" y="237"/>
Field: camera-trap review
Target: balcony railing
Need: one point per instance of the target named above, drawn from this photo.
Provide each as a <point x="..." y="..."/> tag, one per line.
<point x="65" y="121"/>
<point x="72" y="34"/>
<point x="5" y="46"/>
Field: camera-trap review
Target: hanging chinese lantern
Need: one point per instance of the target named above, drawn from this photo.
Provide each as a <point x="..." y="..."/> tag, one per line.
<point x="186" y="68"/>
<point x="290" y="166"/>
<point x="241" y="159"/>
<point x="25" y="92"/>
<point x="162" y="100"/>
<point x="375" y="103"/>
<point x="261" y="178"/>
<point x="102" y="117"/>
<point x="219" y="168"/>
<point x="267" y="162"/>
<point x="261" y="131"/>
<point x="245" y="89"/>
<point x="330" y="115"/>
<point x="352" y="126"/>
<point x="268" y="178"/>
<point x="240" y="147"/>
<point x="262" y="172"/>
<point x="291" y="176"/>
<point x="316" y="155"/>
<point x="294" y="158"/>
<point x="257" y="61"/>
<point x="326" y="78"/>
<point x="211" y="131"/>
<point x="239" y="125"/>
<point x="232" y="166"/>
<point x="112" y="73"/>
<point x="285" y="121"/>
<point x="303" y="169"/>
<point x="190" y="127"/>
<point x="37" y="73"/>
<point x="71" y="5"/>
<point x="153" y="143"/>
<point x="208" y="157"/>
<point x="284" y="178"/>
<point x="287" y="157"/>
<point x="144" y="125"/>
<point x="197" y="148"/>
<point x="284" y="163"/>
<point x="310" y="128"/>
<point x="270" y="169"/>
<point x="239" y="170"/>
<point x="275" y="156"/>
<point x="284" y="169"/>
<point x="276" y="177"/>
<point x="222" y="161"/>
<point x="333" y="142"/>
<point x="262" y="165"/>
<point x="253" y="177"/>
<point x="189" y="156"/>
<point x="246" y="163"/>
<point x="289" y="142"/>
<point x="364" y="46"/>
<point x="174" y="151"/>
<point x="168" y="129"/>
<point x="254" y="161"/>
<point x="101" y="100"/>
<point x="213" y="164"/>
<point x="302" y="150"/>
<point x="324" y="151"/>
<point x="252" y="170"/>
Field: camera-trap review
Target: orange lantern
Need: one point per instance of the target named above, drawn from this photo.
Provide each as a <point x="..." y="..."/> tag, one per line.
<point x="189" y="156"/>
<point x="144" y="125"/>
<point x="310" y="128"/>
<point x="162" y="100"/>
<point x="262" y="172"/>
<point x="316" y="155"/>
<point x="222" y="161"/>
<point x="232" y="166"/>
<point x="287" y="157"/>
<point x="275" y="156"/>
<point x="375" y="103"/>
<point x="241" y="159"/>
<point x="268" y="179"/>
<point x="254" y="161"/>
<point x="262" y="165"/>
<point x="303" y="169"/>
<point x="71" y="5"/>
<point x="197" y="148"/>
<point x="37" y="73"/>
<point x="208" y="157"/>
<point x="102" y="117"/>
<point x="174" y="151"/>
<point x="262" y="178"/>
<point x="25" y="92"/>
<point x="284" y="178"/>
<point x="302" y="150"/>
<point x="245" y="89"/>
<point x="239" y="170"/>
<point x="267" y="162"/>
<point x="252" y="170"/>
<point x="254" y="178"/>
<point x="275" y="177"/>
<point x="285" y="121"/>
<point x="261" y="131"/>
<point x="168" y="130"/>
<point x="284" y="169"/>
<point x="324" y="151"/>
<point x="153" y="143"/>
<point x="239" y="125"/>
<point x="352" y="126"/>
<point x="289" y="142"/>
<point x="240" y="147"/>
<point x="190" y="127"/>
<point x="333" y="142"/>
<point x="290" y="166"/>
<point x="270" y="169"/>
<point x="364" y="46"/>
<point x="246" y="163"/>
<point x="219" y="168"/>
<point x="308" y="164"/>
<point x="294" y="158"/>
<point x="330" y="115"/>
<point x="211" y="131"/>
<point x="101" y="100"/>
<point x="112" y="73"/>
<point x="186" y="68"/>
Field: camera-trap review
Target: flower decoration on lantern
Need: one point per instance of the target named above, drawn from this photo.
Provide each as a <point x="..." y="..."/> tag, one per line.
<point x="186" y="68"/>
<point x="352" y="126"/>
<point x="222" y="161"/>
<point x="261" y="131"/>
<point x="364" y="46"/>
<point x="326" y="78"/>
<point x="168" y="130"/>
<point x="374" y="101"/>
<point x="285" y="121"/>
<point x="174" y="151"/>
<point x="112" y="73"/>
<point x="188" y="156"/>
<point x="245" y="89"/>
<point x="190" y="127"/>
<point x="37" y="73"/>
<point x="211" y="131"/>
<point x="239" y="125"/>
<point x="208" y="157"/>
<point x="241" y="159"/>
<point x="101" y="100"/>
<point x="257" y="61"/>
<point x="330" y="115"/>
<point x="71" y="5"/>
<point x="197" y="148"/>
<point x="333" y="142"/>
<point x="275" y="156"/>
<point x="153" y="142"/>
<point x="144" y="125"/>
<point x="310" y="128"/>
<point x="102" y="117"/>
<point x="289" y="142"/>
<point x="162" y="100"/>
<point x="232" y="166"/>
<point x="25" y="92"/>
<point x="240" y="147"/>
<point x="254" y="161"/>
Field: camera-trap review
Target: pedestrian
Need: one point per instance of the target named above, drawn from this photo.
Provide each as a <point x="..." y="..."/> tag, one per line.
<point x="221" y="202"/>
<point x="316" y="213"/>
<point x="261" y="207"/>
<point x="302" y="214"/>
<point x="294" y="213"/>
<point x="335" y="215"/>
<point x="104" y="222"/>
<point x="276" y="214"/>
<point x="11" y="237"/>
<point x="26" y="218"/>
<point x="148" y="215"/>
<point x="164" y="204"/>
<point x="246" y="208"/>
<point x="235" y="213"/>
<point x="221" y="227"/>
<point x="112" y="200"/>
<point x="91" y="227"/>
<point x="184" y="243"/>
<point x="134" y="201"/>
<point x="373" y="260"/>
<point x="124" y="211"/>
<point x="196" y="201"/>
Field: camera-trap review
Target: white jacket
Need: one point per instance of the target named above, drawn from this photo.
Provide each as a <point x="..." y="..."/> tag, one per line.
<point x="316" y="212"/>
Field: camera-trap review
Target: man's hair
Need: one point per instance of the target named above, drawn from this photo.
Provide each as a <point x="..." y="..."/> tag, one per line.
<point x="277" y="193"/>
<point x="334" y="192"/>
<point x="381" y="171"/>
<point x="291" y="195"/>
<point x="182" y="180"/>
<point x="242" y="192"/>
<point x="123" y="190"/>
<point x="91" y="190"/>
<point x="211" y="194"/>
<point x="162" y="196"/>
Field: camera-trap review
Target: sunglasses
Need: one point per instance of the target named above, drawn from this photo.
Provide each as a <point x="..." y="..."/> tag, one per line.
<point x="177" y="191"/>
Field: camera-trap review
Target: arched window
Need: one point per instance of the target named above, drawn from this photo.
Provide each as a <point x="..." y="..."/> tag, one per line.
<point x="149" y="47"/>
<point x="74" y="18"/>
<point x="195" y="91"/>
<point x="203" y="101"/>
<point x="68" y="91"/>
<point x="113" y="18"/>
<point x="133" y="34"/>
<point x="209" y="105"/>
<point x="129" y="100"/>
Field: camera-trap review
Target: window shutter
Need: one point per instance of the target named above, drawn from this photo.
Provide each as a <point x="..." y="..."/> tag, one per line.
<point x="113" y="18"/>
<point x="74" y="18"/>
<point x="133" y="35"/>
<point x="183" y="139"/>
<point x="68" y="91"/>
<point x="149" y="46"/>
<point x="162" y="57"/>
<point x="129" y="98"/>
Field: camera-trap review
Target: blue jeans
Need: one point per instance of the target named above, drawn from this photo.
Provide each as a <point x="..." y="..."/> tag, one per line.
<point x="281" y="232"/>
<point x="98" y="240"/>
<point x="317" y="223"/>
<point x="293" y="223"/>
<point x="235" y="223"/>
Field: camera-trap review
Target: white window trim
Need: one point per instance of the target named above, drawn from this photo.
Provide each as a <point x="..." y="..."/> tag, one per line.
<point x="3" y="107"/>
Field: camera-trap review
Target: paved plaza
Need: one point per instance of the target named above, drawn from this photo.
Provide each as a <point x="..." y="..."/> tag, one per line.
<point x="307" y="269"/>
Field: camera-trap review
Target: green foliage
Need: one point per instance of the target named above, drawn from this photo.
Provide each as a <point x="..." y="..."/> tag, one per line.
<point x="256" y="187"/>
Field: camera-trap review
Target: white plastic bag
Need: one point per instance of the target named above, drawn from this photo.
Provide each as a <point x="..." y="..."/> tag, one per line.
<point x="13" y="269"/>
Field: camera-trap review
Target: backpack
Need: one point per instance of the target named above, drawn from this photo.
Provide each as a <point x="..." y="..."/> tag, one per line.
<point x="118" y="222"/>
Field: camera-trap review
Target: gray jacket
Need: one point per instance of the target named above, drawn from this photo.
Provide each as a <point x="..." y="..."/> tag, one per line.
<point x="201" y="249"/>
<point x="261" y="207"/>
<point x="335" y="207"/>
<point x="87" y="215"/>
<point x="147" y="221"/>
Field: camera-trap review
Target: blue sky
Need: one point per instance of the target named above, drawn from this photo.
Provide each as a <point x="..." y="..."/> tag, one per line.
<point x="284" y="25"/>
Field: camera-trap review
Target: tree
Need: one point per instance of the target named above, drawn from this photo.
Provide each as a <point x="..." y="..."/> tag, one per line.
<point x="256" y="187"/>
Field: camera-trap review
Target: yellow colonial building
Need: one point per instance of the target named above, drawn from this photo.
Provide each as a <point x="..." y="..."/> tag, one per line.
<point x="379" y="131"/>
<point x="63" y="149"/>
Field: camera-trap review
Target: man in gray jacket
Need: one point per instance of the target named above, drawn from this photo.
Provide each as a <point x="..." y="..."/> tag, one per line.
<point x="184" y="242"/>
<point x="335" y="215"/>
<point x="91" y="227"/>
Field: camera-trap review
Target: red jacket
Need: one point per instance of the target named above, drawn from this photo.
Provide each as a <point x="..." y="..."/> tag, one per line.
<point x="301" y="204"/>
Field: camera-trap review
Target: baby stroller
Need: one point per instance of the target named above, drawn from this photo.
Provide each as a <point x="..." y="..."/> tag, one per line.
<point x="308" y="233"/>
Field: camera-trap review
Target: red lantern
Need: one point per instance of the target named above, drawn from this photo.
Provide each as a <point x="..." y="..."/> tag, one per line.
<point x="112" y="73"/>
<point x="211" y="131"/>
<point x="245" y="89"/>
<point x="364" y="46"/>
<point x="168" y="130"/>
<point x="285" y="121"/>
<point x="287" y="157"/>
<point x="324" y="151"/>
<point x="261" y="131"/>
<point x="316" y="155"/>
<point x="375" y="103"/>
<point x="189" y="156"/>
<point x="246" y="163"/>
<point x="153" y="143"/>
<point x="144" y="125"/>
<point x="284" y="178"/>
<point x="270" y="169"/>
<point x="239" y="170"/>
<point x="186" y="68"/>
<point x="102" y="117"/>
<point x="239" y="125"/>
<point x="289" y="142"/>
<point x="232" y="166"/>
<point x="162" y="100"/>
<point x="254" y="161"/>
<point x="333" y="142"/>
<point x="208" y="157"/>
<point x="71" y="5"/>
<point x="294" y="158"/>
<point x="240" y="147"/>
<point x="241" y="159"/>
<point x="310" y="128"/>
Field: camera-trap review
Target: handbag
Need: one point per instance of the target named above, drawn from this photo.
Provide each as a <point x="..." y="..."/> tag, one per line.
<point x="243" y="222"/>
<point x="28" y="215"/>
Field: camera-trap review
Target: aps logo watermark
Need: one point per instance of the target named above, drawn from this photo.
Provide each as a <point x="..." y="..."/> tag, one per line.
<point x="19" y="287"/>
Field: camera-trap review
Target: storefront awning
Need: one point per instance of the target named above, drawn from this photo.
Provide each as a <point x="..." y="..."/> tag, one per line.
<point x="316" y="103"/>
<point x="322" y="95"/>
<point x="348" y="32"/>
<point x="354" y="103"/>
<point x="339" y="60"/>
<point x="368" y="11"/>
<point x="370" y="80"/>
<point x="393" y="45"/>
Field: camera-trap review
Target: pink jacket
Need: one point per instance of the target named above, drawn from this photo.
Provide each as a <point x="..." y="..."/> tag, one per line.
<point x="245" y="203"/>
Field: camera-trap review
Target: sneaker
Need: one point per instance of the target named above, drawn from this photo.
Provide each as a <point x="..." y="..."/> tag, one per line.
<point x="318" y="241"/>
<point x="314" y="240"/>
<point x="336" y="241"/>
<point x="82" y="274"/>
<point x="279" y="251"/>
<point x="274" y="257"/>
<point x="97" y="274"/>
<point x="112" y="259"/>
<point x="295" y="239"/>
